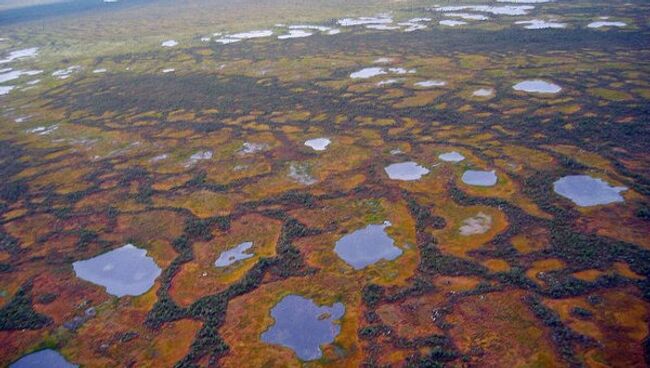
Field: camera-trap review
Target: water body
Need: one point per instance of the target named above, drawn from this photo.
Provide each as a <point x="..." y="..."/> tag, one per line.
<point x="406" y="171"/>
<point x="388" y="82"/>
<point x="483" y="92"/>
<point x="318" y="144"/>
<point x="368" y="73"/>
<point x="47" y="358"/>
<point x="452" y="156"/>
<point x="537" y="86"/>
<point x="123" y="271"/>
<point x="430" y="83"/>
<point x="233" y="255"/>
<point x="452" y="23"/>
<point x="414" y="24"/>
<point x="367" y="246"/>
<point x="606" y="24"/>
<point x="67" y="72"/>
<point x="295" y="33"/>
<point x="303" y="326"/>
<point x="63" y="8"/>
<point x="375" y="71"/>
<point x="467" y="16"/>
<point x="15" y="74"/>
<point x="20" y="54"/>
<point x="362" y="21"/>
<point x="496" y="10"/>
<point x="541" y="24"/>
<point x="587" y="191"/>
<point x="313" y="27"/>
<point x="199" y="156"/>
<point x="169" y="43"/>
<point x="480" y="178"/>
<point x="245" y="36"/>
<point x="6" y="89"/>
<point x="249" y="147"/>
<point x="382" y="27"/>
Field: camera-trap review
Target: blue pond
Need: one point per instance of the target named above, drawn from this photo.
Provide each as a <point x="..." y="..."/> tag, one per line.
<point x="480" y="178"/>
<point x="47" y="358"/>
<point x="123" y="271"/>
<point x="586" y="191"/>
<point x="406" y="171"/>
<point x="452" y="156"/>
<point x="367" y="246"/>
<point x="303" y="326"/>
<point x="233" y="255"/>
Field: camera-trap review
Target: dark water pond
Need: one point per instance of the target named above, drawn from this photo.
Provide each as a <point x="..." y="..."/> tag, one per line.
<point x="367" y="246"/>
<point x="586" y="191"/>
<point x="303" y="326"/>
<point x="47" y="358"/>
<point x="123" y="271"/>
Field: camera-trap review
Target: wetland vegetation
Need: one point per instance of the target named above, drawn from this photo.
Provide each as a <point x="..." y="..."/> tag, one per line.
<point x="364" y="183"/>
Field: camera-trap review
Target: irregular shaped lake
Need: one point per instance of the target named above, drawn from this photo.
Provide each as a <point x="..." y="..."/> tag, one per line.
<point x="123" y="271"/>
<point x="303" y="326"/>
<point x="537" y="86"/>
<point x="452" y="23"/>
<point x="367" y="246"/>
<point x="540" y="24"/>
<point x="368" y="73"/>
<point x="480" y="178"/>
<point x="47" y="358"/>
<point x="406" y="171"/>
<point x="606" y="24"/>
<point x="231" y="256"/>
<point x="452" y="156"/>
<point x="318" y="144"/>
<point x="430" y="83"/>
<point x="586" y="191"/>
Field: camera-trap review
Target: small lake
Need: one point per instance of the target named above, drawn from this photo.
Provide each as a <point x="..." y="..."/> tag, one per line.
<point x="496" y="10"/>
<point x="586" y="191"/>
<point x="367" y="246"/>
<point x="483" y="92"/>
<point x="406" y="171"/>
<point x="452" y="156"/>
<point x="480" y="178"/>
<point x="303" y="326"/>
<point x="606" y="24"/>
<point x="467" y="16"/>
<point x="47" y="358"/>
<point x="123" y="271"/>
<point x="233" y="255"/>
<point x="452" y="23"/>
<point x="430" y="83"/>
<point x="318" y="144"/>
<point x="540" y="24"/>
<point x="537" y="86"/>
<point x="366" y="73"/>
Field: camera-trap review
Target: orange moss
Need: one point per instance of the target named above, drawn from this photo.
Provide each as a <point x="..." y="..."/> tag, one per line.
<point x="619" y="324"/>
<point x="200" y="277"/>
<point x="504" y="329"/>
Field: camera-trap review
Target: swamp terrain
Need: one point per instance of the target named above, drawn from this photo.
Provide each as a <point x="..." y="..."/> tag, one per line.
<point x="371" y="183"/>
